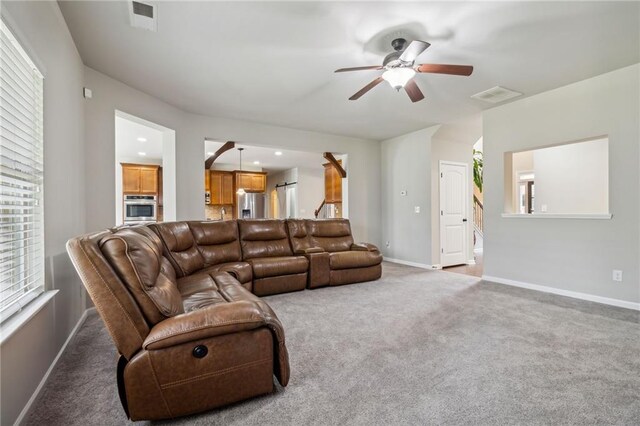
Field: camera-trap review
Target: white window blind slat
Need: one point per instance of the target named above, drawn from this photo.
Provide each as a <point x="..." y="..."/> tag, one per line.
<point x="21" y="177"/>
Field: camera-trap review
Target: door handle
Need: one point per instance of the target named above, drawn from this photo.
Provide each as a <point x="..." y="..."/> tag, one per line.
<point x="464" y="220"/>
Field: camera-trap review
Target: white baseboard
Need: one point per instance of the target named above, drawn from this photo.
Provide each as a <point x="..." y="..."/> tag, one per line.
<point x="414" y="264"/>
<point x="568" y="293"/>
<point x="36" y="393"/>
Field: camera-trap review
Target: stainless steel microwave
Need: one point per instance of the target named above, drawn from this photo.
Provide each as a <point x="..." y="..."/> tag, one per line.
<point x="140" y="208"/>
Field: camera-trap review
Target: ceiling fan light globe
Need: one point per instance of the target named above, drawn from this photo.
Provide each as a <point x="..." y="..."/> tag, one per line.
<point x="398" y="77"/>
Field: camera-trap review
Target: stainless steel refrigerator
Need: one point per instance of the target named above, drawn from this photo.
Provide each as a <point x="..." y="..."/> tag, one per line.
<point x="252" y="205"/>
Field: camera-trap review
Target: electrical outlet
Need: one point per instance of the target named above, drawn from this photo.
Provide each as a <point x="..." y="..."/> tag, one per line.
<point x="416" y="209"/>
<point x="543" y="208"/>
<point x="617" y="275"/>
<point x="387" y="244"/>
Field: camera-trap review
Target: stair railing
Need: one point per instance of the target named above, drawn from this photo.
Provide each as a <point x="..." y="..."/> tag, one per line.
<point x="478" y="211"/>
<point x="319" y="209"/>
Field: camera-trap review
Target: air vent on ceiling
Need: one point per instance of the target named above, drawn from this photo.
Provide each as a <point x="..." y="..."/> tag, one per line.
<point x="143" y="15"/>
<point x="496" y="95"/>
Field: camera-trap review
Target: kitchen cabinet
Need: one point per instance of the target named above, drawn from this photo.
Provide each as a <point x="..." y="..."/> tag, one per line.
<point x="140" y="179"/>
<point x="332" y="184"/>
<point x="251" y="181"/>
<point x="207" y="180"/>
<point x="221" y="188"/>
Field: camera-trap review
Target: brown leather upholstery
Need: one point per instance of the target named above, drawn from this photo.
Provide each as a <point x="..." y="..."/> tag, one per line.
<point x="169" y="288"/>
<point x="361" y="262"/>
<point x="157" y="321"/>
<point x="138" y="262"/>
<point x="330" y="234"/>
<point x="354" y="259"/>
<point x="179" y="247"/>
<point x="266" y="246"/>
<point x="263" y="238"/>
<point x="275" y="266"/>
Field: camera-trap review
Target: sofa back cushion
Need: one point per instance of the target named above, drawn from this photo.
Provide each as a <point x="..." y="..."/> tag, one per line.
<point x="179" y="247"/>
<point x="298" y="235"/>
<point x="218" y="242"/>
<point x="330" y="234"/>
<point x="263" y="238"/>
<point x="137" y="260"/>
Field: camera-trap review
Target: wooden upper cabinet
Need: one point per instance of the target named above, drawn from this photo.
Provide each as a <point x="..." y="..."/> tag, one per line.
<point x="130" y="180"/>
<point x="227" y="189"/>
<point x="148" y="180"/>
<point x="251" y="181"/>
<point x="332" y="184"/>
<point x="216" y="188"/>
<point x="140" y="179"/>
<point x="221" y="184"/>
<point x="207" y="180"/>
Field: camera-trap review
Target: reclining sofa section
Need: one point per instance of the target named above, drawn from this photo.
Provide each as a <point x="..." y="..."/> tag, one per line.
<point x="180" y="302"/>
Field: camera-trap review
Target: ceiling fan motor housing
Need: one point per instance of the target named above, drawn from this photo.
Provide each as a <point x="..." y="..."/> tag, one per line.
<point x="393" y="59"/>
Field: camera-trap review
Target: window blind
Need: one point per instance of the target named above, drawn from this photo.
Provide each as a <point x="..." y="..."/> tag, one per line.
<point x="21" y="177"/>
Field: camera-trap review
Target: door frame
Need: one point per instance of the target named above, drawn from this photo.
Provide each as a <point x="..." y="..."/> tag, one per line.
<point x="466" y="209"/>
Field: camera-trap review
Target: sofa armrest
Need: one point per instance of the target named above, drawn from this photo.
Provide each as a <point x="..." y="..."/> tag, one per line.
<point x="364" y="247"/>
<point x="309" y="250"/>
<point x="215" y="320"/>
<point x="224" y="318"/>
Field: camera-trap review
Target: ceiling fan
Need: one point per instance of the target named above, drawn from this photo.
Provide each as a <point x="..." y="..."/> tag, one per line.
<point x="399" y="69"/>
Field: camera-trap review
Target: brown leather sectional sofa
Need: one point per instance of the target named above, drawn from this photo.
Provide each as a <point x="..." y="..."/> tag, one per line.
<point x="180" y="300"/>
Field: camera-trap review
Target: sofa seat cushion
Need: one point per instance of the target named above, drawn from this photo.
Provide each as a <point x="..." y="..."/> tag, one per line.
<point x="205" y="289"/>
<point x="240" y="270"/>
<point x="354" y="259"/>
<point x="275" y="266"/>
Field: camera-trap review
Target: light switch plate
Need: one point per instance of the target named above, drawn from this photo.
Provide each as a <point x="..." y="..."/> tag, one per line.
<point x="416" y="209"/>
<point x="617" y="275"/>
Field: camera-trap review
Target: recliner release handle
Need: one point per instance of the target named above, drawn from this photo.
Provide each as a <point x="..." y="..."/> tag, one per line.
<point x="200" y="351"/>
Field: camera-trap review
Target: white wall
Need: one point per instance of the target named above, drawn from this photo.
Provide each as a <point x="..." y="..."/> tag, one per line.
<point x="406" y="166"/>
<point x="569" y="254"/>
<point x="310" y="189"/>
<point x="572" y="178"/>
<point x="191" y="131"/>
<point x="28" y="353"/>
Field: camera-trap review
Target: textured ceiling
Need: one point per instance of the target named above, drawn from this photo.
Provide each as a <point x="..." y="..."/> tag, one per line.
<point x="273" y="62"/>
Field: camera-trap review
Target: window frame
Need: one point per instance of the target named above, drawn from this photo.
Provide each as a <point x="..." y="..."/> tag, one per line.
<point x="24" y="307"/>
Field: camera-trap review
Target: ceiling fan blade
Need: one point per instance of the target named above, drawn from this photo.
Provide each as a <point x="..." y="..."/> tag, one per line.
<point x="414" y="50"/>
<point x="366" y="88"/>
<point x="465" y="70"/>
<point x="372" y="67"/>
<point x="414" y="92"/>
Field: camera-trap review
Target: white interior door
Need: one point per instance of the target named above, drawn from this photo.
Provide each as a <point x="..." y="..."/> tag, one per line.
<point x="453" y="213"/>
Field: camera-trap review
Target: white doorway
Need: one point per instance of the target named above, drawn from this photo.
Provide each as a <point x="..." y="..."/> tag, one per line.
<point x="147" y="145"/>
<point x="454" y="187"/>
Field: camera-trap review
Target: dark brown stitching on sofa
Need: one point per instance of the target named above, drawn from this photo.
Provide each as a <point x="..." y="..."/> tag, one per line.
<point x="155" y="378"/>
<point x="202" y="327"/>
<point x="126" y="313"/>
<point x="215" y="373"/>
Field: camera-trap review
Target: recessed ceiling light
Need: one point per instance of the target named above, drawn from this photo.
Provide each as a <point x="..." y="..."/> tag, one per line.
<point x="141" y="139"/>
<point x="278" y="152"/>
<point x="209" y="153"/>
<point x="256" y="162"/>
<point x="142" y="154"/>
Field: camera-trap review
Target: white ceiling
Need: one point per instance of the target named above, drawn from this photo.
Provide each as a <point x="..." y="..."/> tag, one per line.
<point x="266" y="156"/>
<point x="273" y="62"/>
<point x="128" y="147"/>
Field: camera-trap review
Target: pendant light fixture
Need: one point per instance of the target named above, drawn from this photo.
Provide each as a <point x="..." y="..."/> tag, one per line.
<point x="240" y="190"/>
